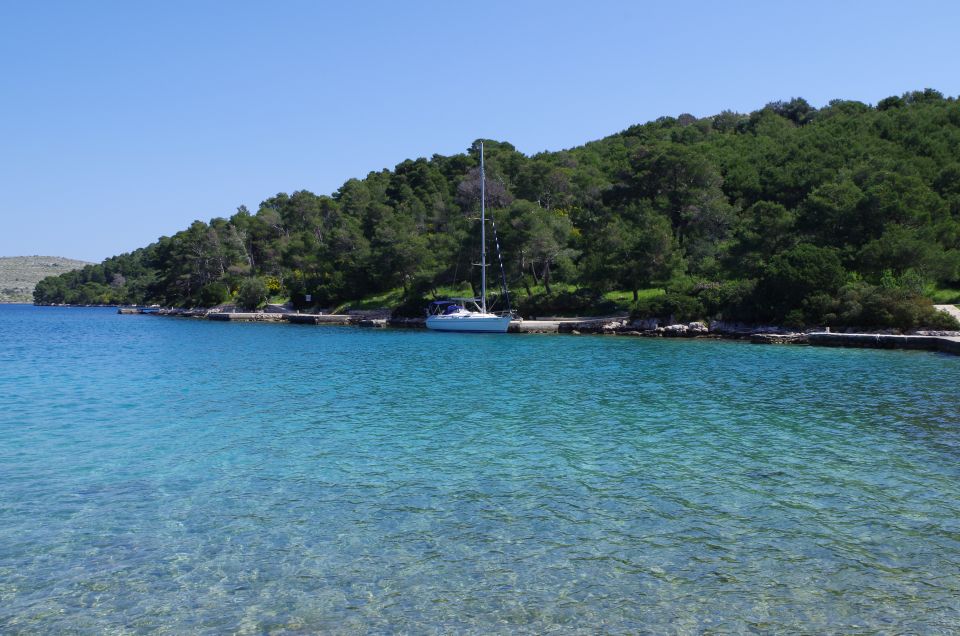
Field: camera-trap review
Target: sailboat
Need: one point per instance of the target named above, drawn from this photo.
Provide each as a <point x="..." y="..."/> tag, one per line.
<point x="470" y="314"/>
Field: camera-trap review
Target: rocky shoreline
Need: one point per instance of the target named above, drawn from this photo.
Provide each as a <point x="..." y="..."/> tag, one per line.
<point x="944" y="341"/>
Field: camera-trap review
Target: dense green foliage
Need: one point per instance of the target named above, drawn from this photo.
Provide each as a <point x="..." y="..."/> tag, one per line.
<point x="844" y="215"/>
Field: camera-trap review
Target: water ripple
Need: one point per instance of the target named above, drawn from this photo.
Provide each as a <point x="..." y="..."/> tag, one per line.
<point x="179" y="476"/>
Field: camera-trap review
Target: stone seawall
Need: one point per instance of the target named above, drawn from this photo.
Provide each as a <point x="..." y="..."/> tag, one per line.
<point x="321" y="319"/>
<point x="946" y="344"/>
<point x="246" y="317"/>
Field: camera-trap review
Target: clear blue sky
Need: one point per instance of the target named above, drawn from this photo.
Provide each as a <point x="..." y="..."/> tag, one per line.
<point x="124" y="121"/>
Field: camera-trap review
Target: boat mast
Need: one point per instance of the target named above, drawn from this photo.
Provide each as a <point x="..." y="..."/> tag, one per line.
<point x="483" y="236"/>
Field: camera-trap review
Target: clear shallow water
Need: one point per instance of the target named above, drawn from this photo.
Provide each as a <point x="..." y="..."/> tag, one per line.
<point x="188" y="476"/>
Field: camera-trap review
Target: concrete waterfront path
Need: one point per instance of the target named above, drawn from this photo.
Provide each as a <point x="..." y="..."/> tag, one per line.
<point x="950" y="309"/>
<point x="540" y="326"/>
<point x="946" y="344"/>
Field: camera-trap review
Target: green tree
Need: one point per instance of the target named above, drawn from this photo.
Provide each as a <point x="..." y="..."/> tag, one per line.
<point x="795" y="276"/>
<point x="634" y="251"/>
<point x="541" y="240"/>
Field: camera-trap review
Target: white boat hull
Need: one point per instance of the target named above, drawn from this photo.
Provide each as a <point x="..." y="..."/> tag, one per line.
<point x="469" y="323"/>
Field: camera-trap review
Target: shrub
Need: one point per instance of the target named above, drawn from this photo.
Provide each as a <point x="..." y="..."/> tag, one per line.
<point x="273" y="284"/>
<point x="794" y="320"/>
<point x="567" y="303"/>
<point x="727" y="300"/>
<point x="252" y="293"/>
<point x="864" y="305"/>
<point x="673" y="306"/>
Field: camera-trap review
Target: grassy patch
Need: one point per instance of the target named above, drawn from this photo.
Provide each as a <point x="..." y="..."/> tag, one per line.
<point x="452" y="291"/>
<point x="537" y="290"/>
<point x="390" y="298"/>
<point x="624" y="299"/>
<point x="620" y="300"/>
<point x="394" y="297"/>
<point x="945" y="296"/>
<point x="568" y="300"/>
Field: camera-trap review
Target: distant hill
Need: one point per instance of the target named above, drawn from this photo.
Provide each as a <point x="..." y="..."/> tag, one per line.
<point x="20" y="274"/>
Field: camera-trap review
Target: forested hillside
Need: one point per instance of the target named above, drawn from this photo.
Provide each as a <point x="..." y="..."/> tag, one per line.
<point x="844" y="215"/>
<point x="19" y="274"/>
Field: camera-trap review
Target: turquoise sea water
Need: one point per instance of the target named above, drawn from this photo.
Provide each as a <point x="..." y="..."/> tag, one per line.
<point x="186" y="476"/>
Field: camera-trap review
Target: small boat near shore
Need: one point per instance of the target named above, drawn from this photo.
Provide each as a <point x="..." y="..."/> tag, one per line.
<point x="454" y="315"/>
<point x="471" y="314"/>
